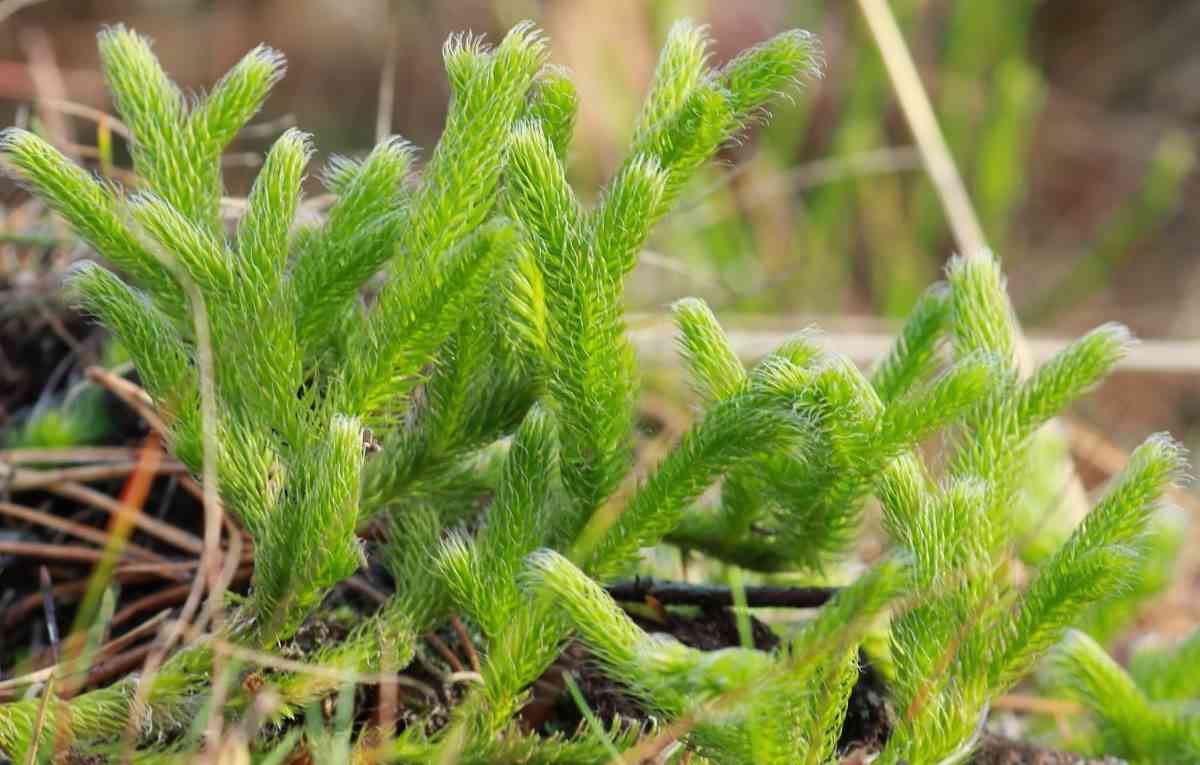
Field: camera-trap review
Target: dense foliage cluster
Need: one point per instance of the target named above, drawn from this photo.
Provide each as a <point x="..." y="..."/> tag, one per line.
<point x="493" y="367"/>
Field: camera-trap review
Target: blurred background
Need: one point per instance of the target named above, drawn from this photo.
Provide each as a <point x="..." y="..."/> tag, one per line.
<point x="1074" y="123"/>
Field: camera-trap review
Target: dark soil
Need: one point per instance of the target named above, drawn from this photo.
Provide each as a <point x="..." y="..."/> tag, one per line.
<point x="44" y="349"/>
<point x="40" y="356"/>
<point x="35" y="350"/>
<point x="552" y="709"/>
<point x="998" y="750"/>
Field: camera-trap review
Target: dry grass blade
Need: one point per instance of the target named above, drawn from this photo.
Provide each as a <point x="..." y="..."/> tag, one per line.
<point x="108" y="649"/>
<point x="387" y="75"/>
<point x="212" y="613"/>
<point x="68" y="455"/>
<point x="919" y="112"/>
<point x="40" y="724"/>
<point x="78" y="530"/>
<point x="210" y="558"/>
<point x="131" y="395"/>
<point x="27" y="479"/>
<point x="48" y="83"/>
<point x="83" y="111"/>
<point x="168" y="533"/>
<point x="280" y="664"/>
<point x="51" y="552"/>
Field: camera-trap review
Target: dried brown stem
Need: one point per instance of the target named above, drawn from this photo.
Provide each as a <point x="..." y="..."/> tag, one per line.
<point x="51" y="552"/>
<point x="464" y="637"/>
<point x="71" y="454"/>
<point x="444" y="650"/>
<point x="172" y="535"/>
<point x="27" y="479"/>
<point x="131" y="395"/>
<point x="705" y="595"/>
<point x="78" y="530"/>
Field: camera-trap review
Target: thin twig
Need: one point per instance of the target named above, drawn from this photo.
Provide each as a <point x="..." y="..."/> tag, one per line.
<point x="278" y="663"/>
<point x="443" y="649"/>
<point x="653" y="336"/>
<point x="169" y="596"/>
<point x="46" y="585"/>
<point x="1025" y="703"/>
<point x="165" y="597"/>
<point x="116" y="666"/>
<point x="68" y="455"/>
<point x="75" y="109"/>
<point x="166" y="532"/>
<point x="108" y="649"/>
<point x="685" y="593"/>
<point x="131" y="395"/>
<point x="882" y="161"/>
<point x="50" y="552"/>
<point x="361" y="585"/>
<point x="17" y="612"/>
<point x="78" y="530"/>
<point x="137" y="633"/>
<point x="167" y="570"/>
<point x="464" y="637"/>
<point x="28" y="479"/>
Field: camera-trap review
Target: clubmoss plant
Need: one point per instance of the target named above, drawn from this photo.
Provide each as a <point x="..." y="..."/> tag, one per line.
<point x="1147" y="714"/>
<point x="493" y="369"/>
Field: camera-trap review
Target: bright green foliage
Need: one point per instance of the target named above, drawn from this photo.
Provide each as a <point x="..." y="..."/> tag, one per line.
<point x="1161" y="545"/>
<point x="1171" y="673"/>
<point x="750" y="706"/>
<point x="178" y="145"/>
<point x="914" y="357"/>
<point x="483" y="575"/>
<point x="492" y="370"/>
<point x="1141" y="720"/>
<point x="714" y="370"/>
<point x="357" y="238"/>
<point x="972" y="636"/>
<point x="555" y="106"/>
<point x="798" y="506"/>
<point x="298" y="368"/>
<point x="175" y="697"/>
<point x="584" y="255"/>
<point x="587" y="364"/>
